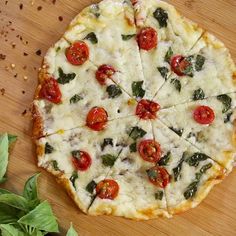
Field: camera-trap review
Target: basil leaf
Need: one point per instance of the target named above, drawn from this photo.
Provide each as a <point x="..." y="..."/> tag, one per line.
<point x="133" y="147"/>
<point x="159" y="195"/>
<point x="137" y="89"/>
<point x="163" y="71"/>
<point x="199" y="63"/>
<point x="76" y="98"/>
<point x="196" y="158"/>
<point x="127" y="37"/>
<point x="165" y="159"/>
<point x="191" y="190"/>
<point x="226" y="101"/>
<point x="76" y="154"/>
<point x="228" y="117"/>
<point x="65" y="78"/>
<point x="30" y="191"/>
<point x="152" y="174"/>
<point x="198" y="94"/>
<point x="161" y="16"/>
<point x="168" y="55"/>
<point x="205" y="168"/>
<point x="58" y="49"/>
<point x="177" y="131"/>
<point x="188" y="70"/>
<point x="137" y="133"/>
<point x="178" y="168"/>
<point x="106" y="142"/>
<point x="73" y="178"/>
<point x="8" y="214"/>
<point x="11" y="138"/>
<point x="108" y="160"/>
<point x="71" y="231"/>
<point x="55" y="165"/>
<point x="41" y="218"/>
<point x="4" y="145"/>
<point x="114" y="91"/>
<point x="4" y="191"/>
<point x="48" y="148"/>
<point x="10" y="230"/>
<point x="95" y="9"/>
<point x="92" y="38"/>
<point x="177" y="84"/>
<point x="91" y="186"/>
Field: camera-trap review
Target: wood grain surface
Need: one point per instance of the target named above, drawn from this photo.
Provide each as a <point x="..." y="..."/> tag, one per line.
<point x="27" y="32"/>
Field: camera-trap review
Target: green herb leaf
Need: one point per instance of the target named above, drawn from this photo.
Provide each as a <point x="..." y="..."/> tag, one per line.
<point x="177" y="84"/>
<point x="106" y="142"/>
<point x="152" y="174"/>
<point x="11" y="138"/>
<point x="55" y="165"/>
<point x="228" y="117"/>
<point x="164" y="72"/>
<point x="41" y="218"/>
<point x="108" y="159"/>
<point x="226" y="101"/>
<point x="133" y="147"/>
<point x="48" y="148"/>
<point x="198" y="94"/>
<point x="65" y="78"/>
<point x="161" y="16"/>
<point x="165" y="159"/>
<point x="4" y="191"/>
<point x="137" y="133"/>
<point x="178" y="168"/>
<point x="76" y="98"/>
<point x="205" y="168"/>
<point x="92" y="38"/>
<point x="58" y="49"/>
<point x="4" y="145"/>
<point x="76" y="154"/>
<point x="177" y="131"/>
<point x="71" y="231"/>
<point x="168" y="55"/>
<point x="196" y="158"/>
<point x="137" y="89"/>
<point x="159" y="195"/>
<point x="95" y="9"/>
<point x="199" y="63"/>
<point x="73" y="178"/>
<point x="10" y="230"/>
<point x="8" y="214"/>
<point x="30" y="191"/>
<point x="91" y="186"/>
<point x="127" y="37"/>
<point x="191" y="190"/>
<point x="114" y="91"/>
<point x="188" y="70"/>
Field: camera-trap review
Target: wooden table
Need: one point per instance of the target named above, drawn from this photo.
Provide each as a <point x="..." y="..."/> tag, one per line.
<point x="35" y="27"/>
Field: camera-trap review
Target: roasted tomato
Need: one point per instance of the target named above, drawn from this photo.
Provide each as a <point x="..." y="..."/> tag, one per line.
<point x="179" y="64"/>
<point x="147" y="38"/>
<point x="81" y="160"/>
<point x="103" y="73"/>
<point x="147" y="109"/>
<point x="107" y="189"/>
<point x="204" y="115"/>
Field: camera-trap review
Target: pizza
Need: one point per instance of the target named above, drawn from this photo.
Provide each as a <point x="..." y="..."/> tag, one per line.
<point x="135" y="112"/>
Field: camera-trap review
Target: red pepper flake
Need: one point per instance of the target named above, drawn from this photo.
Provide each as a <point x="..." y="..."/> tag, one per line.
<point x="16" y="75"/>
<point x="39" y="8"/>
<point x="3" y="91"/>
<point x="2" y="57"/>
<point x="38" y="52"/>
<point x="24" y="112"/>
<point x="60" y="18"/>
<point x="6" y="2"/>
<point x="21" y="6"/>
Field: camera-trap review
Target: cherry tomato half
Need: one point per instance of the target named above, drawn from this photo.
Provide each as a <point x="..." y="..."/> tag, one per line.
<point x="78" y="53"/>
<point x="179" y="65"/>
<point x="204" y="115"/>
<point x="158" y="176"/>
<point x="150" y="150"/>
<point x="81" y="160"/>
<point x="97" y="118"/>
<point x="147" y="38"/>
<point x="103" y="73"/>
<point x="50" y="90"/>
<point x="107" y="189"/>
<point x="147" y="109"/>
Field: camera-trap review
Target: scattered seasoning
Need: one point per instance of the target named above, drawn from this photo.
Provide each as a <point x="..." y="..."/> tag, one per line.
<point x="13" y="66"/>
<point x="16" y="75"/>
<point x="53" y="1"/>
<point x="60" y="18"/>
<point x="24" y="67"/>
<point x="13" y="45"/>
<point x="38" y="52"/>
<point x="21" y="6"/>
<point x="6" y="2"/>
<point x="26" y="54"/>
<point x="39" y="8"/>
<point x="24" y="112"/>
<point x="2" y="57"/>
<point x="2" y="91"/>
<point x="23" y="92"/>
<point x="25" y="77"/>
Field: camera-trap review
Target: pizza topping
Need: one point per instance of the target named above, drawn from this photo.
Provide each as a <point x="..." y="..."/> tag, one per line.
<point x="133" y="147"/>
<point x="73" y="178"/>
<point x="177" y="131"/>
<point x="228" y="117"/>
<point x="78" y="53"/>
<point x="204" y="115"/>
<point x="150" y="150"/>
<point x="95" y="10"/>
<point x="76" y="98"/>
<point x="106" y="142"/>
<point x="158" y="176"/>
<point x="81" y="160"/>
<point x="48" y="148"/>
<point x="196" y="158"/>
<point x="147" y="38"/>
<point x="127" y="36"/>
<point x="164" y="72"/>
<point x="65" y="78"/>
<point x="97" y="118"/>
<point x="107" y="189"/>
<point x="165" y="159"/>
<point x="198" y="94"/>
<point x="114" y="91"/>
<point x="177" y="84"/>
<point x="192" y="188"/>
<point x="182" y="65"/>
<point x="91" y="186"/>
<point x="159" y="195"/>
<point x="161" y="16"/>
<point x="137" y="89"/>
<point x="199" y="62"/>
<point x="55" y="165"/>
<point x="147" y="109"/>
<point x="50" y="90"/>
<point x="169" y="55"/>
<point x="178" y="168"/>
<point x="104" y="72"/>
<point x="137" y="133"/>
<point x="92" y="38"/>
<point x="226" y="101"/>
<point x="108" y="159"/>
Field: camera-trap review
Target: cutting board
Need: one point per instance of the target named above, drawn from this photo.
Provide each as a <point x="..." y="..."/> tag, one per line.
<point x="27" y="29"/>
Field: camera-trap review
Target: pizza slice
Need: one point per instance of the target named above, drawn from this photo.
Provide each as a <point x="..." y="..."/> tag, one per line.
<point x="207" y="70"/>
<point x="208" y="124"/>
<point x="163" y="32"/>
<point x="80" y="157"/>
<point x="67" y="93"/>
<point x="193" y="173"/>
<point x="127" y="191"/>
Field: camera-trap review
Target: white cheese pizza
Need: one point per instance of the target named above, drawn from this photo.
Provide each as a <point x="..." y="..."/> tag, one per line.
<point x="135" y="110"/>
